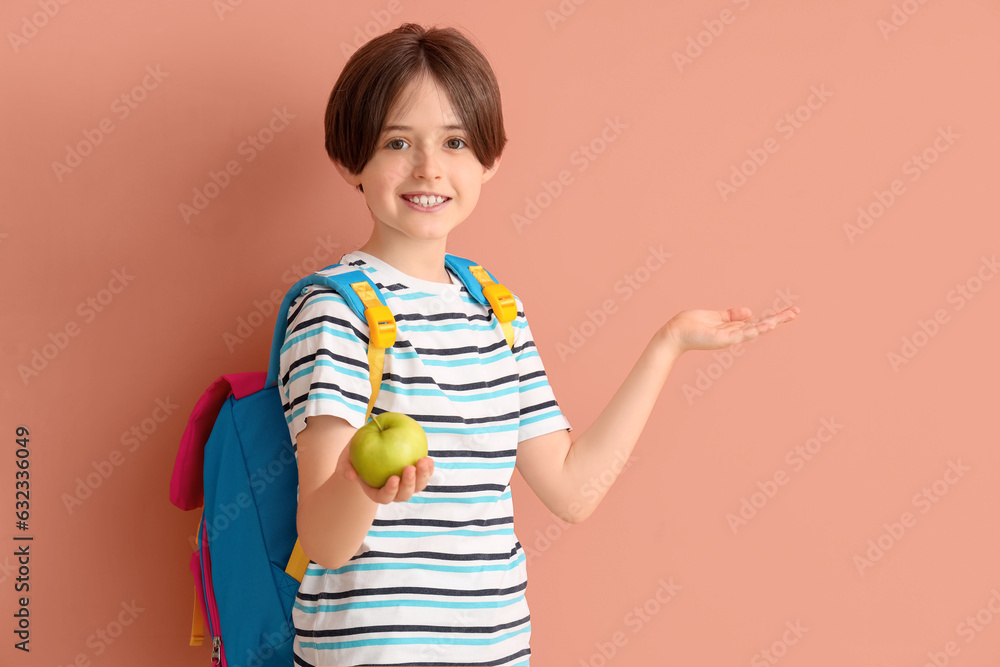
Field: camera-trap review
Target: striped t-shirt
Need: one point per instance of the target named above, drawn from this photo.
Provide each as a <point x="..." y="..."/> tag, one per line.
<point x="439" y="579"/>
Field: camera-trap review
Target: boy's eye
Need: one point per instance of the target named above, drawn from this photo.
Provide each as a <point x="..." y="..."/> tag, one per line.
<point x="397" y="144"/>
<point x="455" y="143"/>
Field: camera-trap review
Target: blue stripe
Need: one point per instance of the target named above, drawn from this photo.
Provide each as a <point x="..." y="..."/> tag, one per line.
<point x="360" y="567"/>
<point x="462" y="429"/>
<point x="474" y="465"/>
<point x="527" y="354"/>
<point x="346" y="335"/>
<point x="466" y="500"/>
<point x="435" y="533"/>
<point x="437" y="604"/>
<point x="400" y="641"/>
<point x="469" y="360"/>
<point x="455" y="326"/>
<point x="331" y="296"/>
<point x="414" y="295"/>
<point x="554" y="412"/>
<point x="535" y="385"/>
<point x="453" y="396"/>
<point x="340" y="368"/>
<point x="360" y="409"/>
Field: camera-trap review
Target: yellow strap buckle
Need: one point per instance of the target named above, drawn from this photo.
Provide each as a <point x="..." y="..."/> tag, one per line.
<point x="502" y="301"/>
<point x="500" y="298"/>
<point x="381" y="323"/>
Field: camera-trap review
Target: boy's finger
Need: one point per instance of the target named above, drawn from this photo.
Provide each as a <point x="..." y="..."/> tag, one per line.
<point x="389" y="490"/>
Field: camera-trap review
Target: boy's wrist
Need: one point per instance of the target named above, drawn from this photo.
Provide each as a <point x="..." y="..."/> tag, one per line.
<point x="667" y="343"/>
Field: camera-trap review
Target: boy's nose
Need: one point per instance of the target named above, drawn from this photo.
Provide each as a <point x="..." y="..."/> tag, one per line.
<point x="427" y="165"/>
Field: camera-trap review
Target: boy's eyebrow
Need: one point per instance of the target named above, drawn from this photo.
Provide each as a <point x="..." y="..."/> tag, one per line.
<point x="407" y="128"/>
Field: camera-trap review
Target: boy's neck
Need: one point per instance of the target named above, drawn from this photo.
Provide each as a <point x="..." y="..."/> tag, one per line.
<point x="424" y="261"/>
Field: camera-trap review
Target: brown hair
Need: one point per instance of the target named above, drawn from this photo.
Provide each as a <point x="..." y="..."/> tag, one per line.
<point x="375" y="76"/>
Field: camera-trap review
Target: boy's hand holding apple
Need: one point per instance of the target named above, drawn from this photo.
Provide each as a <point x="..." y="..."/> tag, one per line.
<point x="388" y="457"/>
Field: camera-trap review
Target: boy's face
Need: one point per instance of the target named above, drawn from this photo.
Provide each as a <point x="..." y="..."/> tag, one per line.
<point x="423" y="180"/>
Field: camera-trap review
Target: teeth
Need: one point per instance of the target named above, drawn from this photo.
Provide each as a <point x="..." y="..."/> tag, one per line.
<point x="424" y="200"/>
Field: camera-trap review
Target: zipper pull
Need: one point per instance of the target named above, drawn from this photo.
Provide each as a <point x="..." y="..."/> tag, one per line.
<point x="216" y="650"/>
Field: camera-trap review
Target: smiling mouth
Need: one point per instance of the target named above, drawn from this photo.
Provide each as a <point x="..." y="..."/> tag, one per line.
<point x="427" y="201"/>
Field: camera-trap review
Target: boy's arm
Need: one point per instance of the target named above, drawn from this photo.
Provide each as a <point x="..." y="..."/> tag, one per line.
<point x="334" y="514"/>
<point x="559" y="470"/>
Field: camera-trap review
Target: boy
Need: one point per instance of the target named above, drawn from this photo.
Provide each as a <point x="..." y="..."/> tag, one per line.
<point x="427" y="569"/>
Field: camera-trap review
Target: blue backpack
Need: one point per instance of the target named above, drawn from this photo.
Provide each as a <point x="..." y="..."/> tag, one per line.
<point x="237" y="461"/>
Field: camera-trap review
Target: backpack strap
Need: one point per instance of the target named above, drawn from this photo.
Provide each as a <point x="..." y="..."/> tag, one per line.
<point x="365" y="299"/>
<point x="486" y="290"/>
<point x="361" y="295"/>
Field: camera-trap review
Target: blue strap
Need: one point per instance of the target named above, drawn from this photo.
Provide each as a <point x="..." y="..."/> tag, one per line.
<point x="460" y="267"/>
<point x="341" y="283"/>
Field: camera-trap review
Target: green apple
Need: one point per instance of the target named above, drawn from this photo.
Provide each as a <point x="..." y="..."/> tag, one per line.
<point x="385" y="445"/>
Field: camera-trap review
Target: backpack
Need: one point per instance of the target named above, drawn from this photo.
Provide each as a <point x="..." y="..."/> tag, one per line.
<point x="236" y="461"/>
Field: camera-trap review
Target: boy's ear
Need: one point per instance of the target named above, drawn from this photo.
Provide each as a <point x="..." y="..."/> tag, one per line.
<point x="354" y="180"/>
<point x="488" y="172"/>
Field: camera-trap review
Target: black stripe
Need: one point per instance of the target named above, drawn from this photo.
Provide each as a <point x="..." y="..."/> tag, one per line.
<point x="447" y="523"/>
<point x="323" y="352"/>
<point x="491" y="419"/>
<point x="298" y="303"/>
<point x="437" y="317"/>
<point x="532" y="376"/>
<point x="438" y="629"/>
<point x="302" y="398"/>
<point x="537" y="407"/>
<point x="423" y="379"/>
<point x="465" y="663"/>
<point x="411" y="590"/>
<point x="465" y="488"/>
<point x="456" y="351"/>
<point x="524" y="346"/>
<point x="471" y="454"/>
<point x="341" y="323"/>
<point x="437" y="555"/>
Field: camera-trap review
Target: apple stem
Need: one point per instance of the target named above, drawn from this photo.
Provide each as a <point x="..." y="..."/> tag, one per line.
<point x="380" y="429"/>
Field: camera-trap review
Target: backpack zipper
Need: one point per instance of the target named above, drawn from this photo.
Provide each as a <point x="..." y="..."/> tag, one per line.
<point x="218" y="658"/>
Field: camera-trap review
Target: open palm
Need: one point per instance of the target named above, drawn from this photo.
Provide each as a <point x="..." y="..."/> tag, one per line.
<point x="716" y="329"/>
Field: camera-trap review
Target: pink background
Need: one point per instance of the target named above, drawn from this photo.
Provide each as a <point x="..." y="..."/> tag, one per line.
<point x="661" y="133"/>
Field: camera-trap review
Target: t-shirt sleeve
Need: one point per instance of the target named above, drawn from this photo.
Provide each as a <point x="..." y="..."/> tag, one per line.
<point x="539" y="411"/>
<point x="324" y="361"/>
